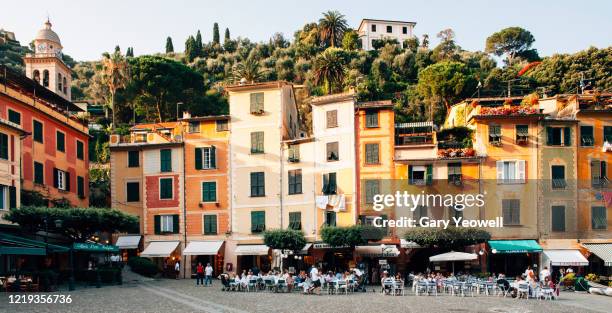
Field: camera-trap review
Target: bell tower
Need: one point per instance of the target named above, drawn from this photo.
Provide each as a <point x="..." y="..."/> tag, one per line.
<point x="46" y="66"/>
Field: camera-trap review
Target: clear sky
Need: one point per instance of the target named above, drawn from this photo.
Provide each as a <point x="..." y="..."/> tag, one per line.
<point x="88" y="28"/>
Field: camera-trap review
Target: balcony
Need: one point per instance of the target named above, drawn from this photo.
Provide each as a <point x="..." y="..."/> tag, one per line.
<point x="140" y="138"/>
<point x="413" y="134"/>
<point x="456" y="153"/>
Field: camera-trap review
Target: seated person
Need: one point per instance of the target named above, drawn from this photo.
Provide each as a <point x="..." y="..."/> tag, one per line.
<point x="224" y="277"/>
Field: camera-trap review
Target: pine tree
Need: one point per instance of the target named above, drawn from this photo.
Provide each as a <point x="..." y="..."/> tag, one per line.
<point x="216" y="37"/>
<point x="198" y="44"/>
<point x="169" y="45"/>
<point x="130" y="52"/>
<point x="227" y="35"/>
<point x="190" y="50"/>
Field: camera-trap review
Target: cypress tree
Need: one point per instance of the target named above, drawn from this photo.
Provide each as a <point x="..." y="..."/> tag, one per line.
<point x="130" y="52"/>
<point x="216" y="37"/>
<point x="227" y="35"/>
<point x="190" y="51"/>
<point x="169" y="45"/>
<point x="117" y="48"/>
<point x="198" y="44"/>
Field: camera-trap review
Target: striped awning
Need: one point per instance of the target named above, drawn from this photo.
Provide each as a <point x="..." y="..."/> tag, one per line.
<point x="416" y="124"/>
<point x="159" y="249"/>
<point x="602" y="250"/>
<point x="128" y="242"/>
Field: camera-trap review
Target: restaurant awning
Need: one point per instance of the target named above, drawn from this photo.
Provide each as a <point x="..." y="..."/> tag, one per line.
<point x="305" y="249"/>
<point x="159" y="249"/>
<point x="203" y="247"/>
<point x="10" y="244"/>
<point x="602" y="250"/>
<point x="94" y="247"/>
<point x="566" y="258"/>
<point x="453" y="256"/>
<point x="377" y="251"/>
<point x="408" y="244"/>
<point x="128" y="242"/>
<point x="514" y="246"/>
<point x="252" y="250"/>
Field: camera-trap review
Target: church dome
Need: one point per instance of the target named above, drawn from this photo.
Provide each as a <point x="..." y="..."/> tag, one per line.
<point x="47" y="33"/>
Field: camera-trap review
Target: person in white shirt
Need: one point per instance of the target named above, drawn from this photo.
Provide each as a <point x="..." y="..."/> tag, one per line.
<point x="177" y="269"/>
<point x="544" y="273"/>
<point x="316" y="281"/>
<point x="208" y="272"/>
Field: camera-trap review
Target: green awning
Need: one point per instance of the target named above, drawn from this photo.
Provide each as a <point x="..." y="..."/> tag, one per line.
<point x="31" y="246"/>
<point x="22" y="250"/>
<point x="94" y="247"/>
<point x="514" y="246"/>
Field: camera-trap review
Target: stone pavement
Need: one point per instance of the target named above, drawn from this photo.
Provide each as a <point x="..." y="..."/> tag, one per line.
<point x="139" y="294"/>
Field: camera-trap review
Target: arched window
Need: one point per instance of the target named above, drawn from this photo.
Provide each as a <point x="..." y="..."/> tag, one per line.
<point x="46" y="78"/>
<point x="59" y="82"/>
<point x="36" y="76"/>
<point x="65" y="86"/>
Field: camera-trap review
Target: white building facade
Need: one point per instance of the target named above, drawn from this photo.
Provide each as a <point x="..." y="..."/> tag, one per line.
<point x="371" y="30"/>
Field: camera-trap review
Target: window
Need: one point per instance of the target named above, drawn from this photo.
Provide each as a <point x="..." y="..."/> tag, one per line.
<point x="371" y="153"/>
<point x="165" y="160"/>
<point x="373" y="28"/>
<point x="133" y="158"/>
<point x="558" y="176"/>
<point x="389" y="29"/>
<point x="60" y="143"/>
<point x="257" y="142"/>
<point x="372" y="188"/>
<point x="80" y="187"/>
<point x="419" y="212"/>
<point x="39" y="173"/>
<point x="222" y="125"/>
<point x="586" y="136"/>
<point x="454" y="173"/>
<point x="330" y="218"/>
<point x="133" y="191"/>
<point x="495" y="134"/>
<point x="257" y="103"/>
<point x="206" y="158"/>
<point x="209" y="191"/>
<point x="258" y="221"/>
<point x="14" y="116"/>
<point x="329" y="184"/>
<point x="420" y="174"/>
<point x="210" y="224"/>
<point x="194" y="127"/>
<point x="258" y="184"/>
<point x="166" y="224"/>
<point x="599" y="219"/>
<point x="165" y="189"/>
<point x="61" y="180"/>
<point x="511" y="211"/>
<point x="37" y="131"/>
<point x="331" y="118"/>
<point x="332" y="151"/>
<point x="79" y="150"/>
<point x="510" y="172"/>
<point x="557" y="136"/>
<point x="522" y="134"/>
<point x="558" y="218"/>
<point x="4" y="197"/>
<point x="371" y="119"/>
<point x="4" y="146"/>
<point x="607" y="134"/>
<point x="599" y="173"/>
<point x="295" y="182"/>
<point x="404" y="30"/>
<point x="295" y="220"/>
<point x="294" y="153"/>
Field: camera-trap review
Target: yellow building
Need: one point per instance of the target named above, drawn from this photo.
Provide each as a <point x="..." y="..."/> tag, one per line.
<point x="11" y="136"/>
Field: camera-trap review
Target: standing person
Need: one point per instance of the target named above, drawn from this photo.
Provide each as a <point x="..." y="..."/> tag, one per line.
<point x="545" y="273"/>
<point x="199" y="274"/>
<point x="209" y="273"/>
<point x="316" y="281"/>
<point x="529" y="273"/>
<point x="177" y="269"/>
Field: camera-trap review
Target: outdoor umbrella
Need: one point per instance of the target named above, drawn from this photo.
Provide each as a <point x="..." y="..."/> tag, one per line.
<point x="452" y="257"/>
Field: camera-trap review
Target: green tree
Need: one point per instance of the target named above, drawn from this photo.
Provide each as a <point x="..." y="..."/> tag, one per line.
<point x="198" y="44"/>
<point x="248" y="70"/>
<point x="227" y="35"/>
<point x="330" y="69"/>
<point x="191" y="52"/>
<point x="216" y="36"/>
<point x="447" y="49"/>
<point x="130" y="52"/>
<point x="412" y="44"/>
<point x="169" y="45"/>
<point x="284" y="239"/>
<point x="332" y="27"/>
<point x="513" y="42"/>
<point x="115" y="76"/>
<point x="350" y="41"/>
<point x="448" y="80"/>
<point x="453" y="238"/>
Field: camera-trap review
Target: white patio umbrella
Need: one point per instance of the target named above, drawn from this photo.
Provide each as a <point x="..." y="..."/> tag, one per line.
<point x="452" y="257"/>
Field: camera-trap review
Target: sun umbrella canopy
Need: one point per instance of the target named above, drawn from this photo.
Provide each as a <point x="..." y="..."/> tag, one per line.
<point x="453" y="256"/>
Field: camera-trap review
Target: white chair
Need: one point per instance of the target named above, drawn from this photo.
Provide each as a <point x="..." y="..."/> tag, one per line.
<point x="398" y="288"/>
<point x="523" y="291"/>
<point x="342" y="285"/>
<point x="252" y="285"/>
<point x="421" y="287"/>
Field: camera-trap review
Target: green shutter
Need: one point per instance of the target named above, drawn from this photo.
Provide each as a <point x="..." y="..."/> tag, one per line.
<point x="165" y="188"/>
<point x="165" y="158"/>
<point x="198" y="158"/>
<point x="133" y="158"/>
<point x="429" y="177"/>
<point x="133" y="192"/>
<point x="332" y="183"/>
<point x="12" y="197"/>
<point x="38" y="131"/>
<point x="4" y="146"/>
<point x="157" y="224"/>
<point x="558" y="218"/>
<point x="14" y="117"/>
<point x="410" y="174"/>
<point x="213" y="157"/>
<point x="79" y="151"/>
<point x="175" y="224"/>
<point x="55" y="178"/>
<point x="60" y="141"/>
<point x="567" y="136"/>
<point x="80" y="186"/>
<point x="38" y="173"/>
<point x="549" y="135"/>
<point x="209" y="192"/>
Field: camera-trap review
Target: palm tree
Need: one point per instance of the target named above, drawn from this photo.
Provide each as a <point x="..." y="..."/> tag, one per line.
<point x="114" y="75"/>
<point x="329" y="69"/>
<point x="332" y="26"/>
<point x="248" y="70"/>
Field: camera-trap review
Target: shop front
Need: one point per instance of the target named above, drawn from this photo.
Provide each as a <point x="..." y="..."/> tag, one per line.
<point x="205" y="252"/>
<point x="375" y="259"/>
<point x="330" y="258"/>
<point x="512" y="257"/>
<point x="165" y="255"/>
<point x="555" y="259"/>
<point x="129" y="246"/>
<point x="600" y="260"/>
<point x="253" y="257"/>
